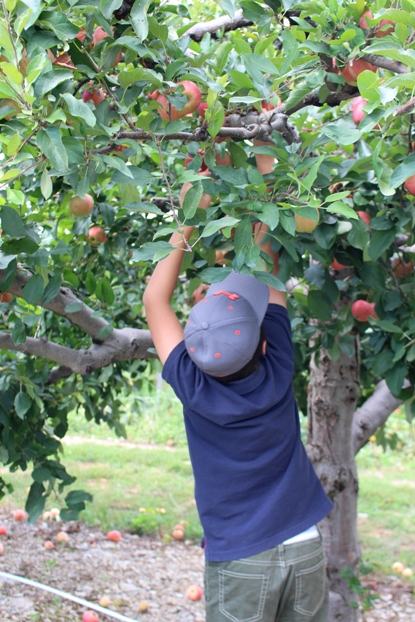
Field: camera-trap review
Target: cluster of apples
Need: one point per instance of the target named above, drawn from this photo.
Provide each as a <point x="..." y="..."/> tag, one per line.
<point x="83" y="206"/>
<point x="400" y="568"/>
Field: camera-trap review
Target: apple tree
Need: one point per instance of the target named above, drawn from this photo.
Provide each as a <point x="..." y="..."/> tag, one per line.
<point x="106" y="109"/>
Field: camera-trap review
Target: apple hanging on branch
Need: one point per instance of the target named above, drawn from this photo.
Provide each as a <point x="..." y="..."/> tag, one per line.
<point x="354" y="68"/>
<point x="96" y="235"/>
<point x="169" y="112"/>
<point x="363" y="310"/>
<point x="79" y="206"/>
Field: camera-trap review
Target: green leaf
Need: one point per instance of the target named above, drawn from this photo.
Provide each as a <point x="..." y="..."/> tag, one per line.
<point x="297" y="94"/>
<point x="33" y="290"/>
<point x="74" y="149"/>
<point x="139" y="19"/>
<point x="41" y="474"/>
<point x="255" y="63"/>
<point x="18" y="332"/>
<point x="192" y="200"/>
<point x="387" y="326"/>
<point x="395" y="378"/>
<point x="50" y="79"/>
<point x="380" y="242"/>
<point x="90" y="282"/>
<point x="52" y="289"/>
<point x="73" y="307"/>
<point x="8" y="275"/>
<point x="22" y="403"/>
<point x="237" y="177"/>
<point x="104" y="291"/>
<point x="403" y="171"/>
<point x="215" y="275"/>
<point x="60" y="24"/>
<point x="148" y="250"/>
<point x="320" y="305"/>
<point x="216" y="119"/>
<point x="77" y="496"/>
<point x="23" y="245"/>
<point x="120" y="165"/>
<point x="35" y="502"/>
<point x="11" y="222"/>
<point x="78" y="108"/>
<point x="341" y="208"/>
<point x="269" y="279"/>
<point x="270" y="215"/>
<point x="50" y="143"/>
<point x="46" y="185"/>
<point x="215" y="225"/>
<point x="341" y="133"/>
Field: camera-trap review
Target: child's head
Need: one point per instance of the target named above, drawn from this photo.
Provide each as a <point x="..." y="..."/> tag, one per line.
<point x="223" y="332"/>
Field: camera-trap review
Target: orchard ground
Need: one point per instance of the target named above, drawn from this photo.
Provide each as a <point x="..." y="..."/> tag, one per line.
<point x="143" y="486"/>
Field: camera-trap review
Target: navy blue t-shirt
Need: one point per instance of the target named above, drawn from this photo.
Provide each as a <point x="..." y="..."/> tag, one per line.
<point x="254" y="484"/>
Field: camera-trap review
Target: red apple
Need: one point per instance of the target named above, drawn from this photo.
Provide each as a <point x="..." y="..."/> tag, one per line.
<point x="382" y="31"/>
<point x="364" y="216"/>
<point x="97" y="95"/>
<point x="96" y="235"/>
<point x="362" y="22"/>
<point x="98" y="34"/>
<point x="79" y="206"/>
<point x="48" y="544"/>
<point x="402" y="268"/>
<point x="336" y="265"/>
<point x="114" y="535"/>
<point x="355" y="67"/>
<point x="358" y="113"/>
<point x="20" y="515"/>
<point x="194" y="97"/>
<point x="90" y="616"/>
<point x="194" y="592"/>
<point x="3" y="530"/>
<point x="143" y="606"/>
<point x="362" y="310"/>
<point x="220" y="257"/>
<point x="202" y="109"/>
<point x="270" y="105"/>
<point x="226" y="160"/>
<point x="6" y="297"/>
<point x="410" y="184"/>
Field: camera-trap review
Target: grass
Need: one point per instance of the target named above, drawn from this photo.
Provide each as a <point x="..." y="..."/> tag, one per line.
<point x="145" y="482"/>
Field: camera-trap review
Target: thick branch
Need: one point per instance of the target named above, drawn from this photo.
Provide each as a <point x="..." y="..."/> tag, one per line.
<point x="122" y="345"/>
<point x="372" y="414"/>
<point x="386" y="63"/>
<point x="198" y="31"/>
<point x="83" y="318"/>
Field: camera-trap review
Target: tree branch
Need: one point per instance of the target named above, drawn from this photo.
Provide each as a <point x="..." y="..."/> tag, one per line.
<point x="225" y="23"/>
<point x="385" y="63"/>
<point x="405" y="107"/>
<point x="83" y="318"/>
<point x="122" y="345"/>
<point x="372" y="414"/>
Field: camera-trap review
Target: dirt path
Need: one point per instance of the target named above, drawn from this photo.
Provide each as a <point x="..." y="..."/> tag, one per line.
<point x="130" y="573"/>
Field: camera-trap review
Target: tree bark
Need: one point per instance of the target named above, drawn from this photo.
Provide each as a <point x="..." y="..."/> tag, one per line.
<point x="333" y="394"/>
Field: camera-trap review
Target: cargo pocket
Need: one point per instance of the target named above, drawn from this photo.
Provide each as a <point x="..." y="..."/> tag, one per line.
<point x="242" y="596"/>
<point x="310" y="589"/>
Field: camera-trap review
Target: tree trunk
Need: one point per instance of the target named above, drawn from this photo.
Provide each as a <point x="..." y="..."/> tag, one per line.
<point x="333" y="393"/>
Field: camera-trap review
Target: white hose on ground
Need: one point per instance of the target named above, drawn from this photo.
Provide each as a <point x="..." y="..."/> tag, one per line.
<point x="75" y="599"/>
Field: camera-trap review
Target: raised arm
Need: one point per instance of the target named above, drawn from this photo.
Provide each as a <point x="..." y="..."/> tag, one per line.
<point x="265" y="165"/>
<point x="165" y="328"/>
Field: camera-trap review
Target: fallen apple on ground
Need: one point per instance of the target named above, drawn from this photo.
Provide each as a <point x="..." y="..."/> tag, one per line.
<point x="90" y="616"/>
<point x="114" y="535"/>
<point x="20" y="515"/>
<point x="398" y="567"/>
<point x="62" y="537"/>
<point x="48" y="544"/>
<point x="194" y="592"/>
<point x="3" y="530"/>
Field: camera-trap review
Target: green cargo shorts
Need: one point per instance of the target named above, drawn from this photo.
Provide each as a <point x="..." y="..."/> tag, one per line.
<point x="287" y="583"/>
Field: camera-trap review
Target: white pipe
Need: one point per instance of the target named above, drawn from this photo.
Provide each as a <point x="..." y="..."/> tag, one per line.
<point x="80" y="601"/>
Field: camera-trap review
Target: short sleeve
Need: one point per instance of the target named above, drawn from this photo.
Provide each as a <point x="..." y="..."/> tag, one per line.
<point x="180" y="372"/>
<point x="278" y="333"/>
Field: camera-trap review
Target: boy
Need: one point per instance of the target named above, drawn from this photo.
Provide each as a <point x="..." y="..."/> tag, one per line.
<point x="257" y="494"/>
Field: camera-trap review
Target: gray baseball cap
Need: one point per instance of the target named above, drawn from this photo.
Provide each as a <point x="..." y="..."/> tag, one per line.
<point x="223" y="329"/>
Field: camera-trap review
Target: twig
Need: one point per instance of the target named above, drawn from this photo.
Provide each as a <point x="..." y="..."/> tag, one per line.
<point x="26" y="140"/>
<point x="9" y="28"/>
<point x="405" y="107"/>
<point x="21" y="100"/>
<point x="172" y="206"/>
<point x="28" y="168"/>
